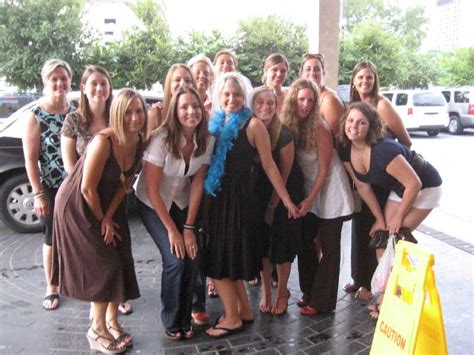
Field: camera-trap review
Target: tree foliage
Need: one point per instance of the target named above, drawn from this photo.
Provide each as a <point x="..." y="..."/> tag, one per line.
<point x="370" y="41"/>
<point x="259" y="37"/>
<point x="458" y="67"/>
<point x="33" y="31"/>
<point x="388" y="36"/>
<point x="200" y="43"/>
<point x="144" y="54"/>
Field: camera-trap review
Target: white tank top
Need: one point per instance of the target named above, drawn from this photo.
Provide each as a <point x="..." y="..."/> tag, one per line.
<point x="335" y="198"/>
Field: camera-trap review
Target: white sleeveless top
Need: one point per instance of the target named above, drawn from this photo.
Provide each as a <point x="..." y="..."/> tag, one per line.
<point x="335" y="198"/>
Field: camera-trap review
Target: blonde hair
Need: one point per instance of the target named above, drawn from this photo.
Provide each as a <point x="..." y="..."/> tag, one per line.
<point x="273" y="59"/>
<point x="201" y="58"/>
<point x="51" y="65"/>
<point x="275" y="126"/>
<point x="239" y="82"/>
<point x="305" y="131"/>
<point x="118" y="111"/>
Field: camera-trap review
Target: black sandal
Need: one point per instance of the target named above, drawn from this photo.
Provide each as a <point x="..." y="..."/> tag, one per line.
<point x="173" y="334"/>
<point x="51" y="298"/>
<point x="187" y="332"/>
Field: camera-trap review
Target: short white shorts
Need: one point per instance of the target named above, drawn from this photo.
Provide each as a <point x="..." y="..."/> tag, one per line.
<point x="427" y="198"/>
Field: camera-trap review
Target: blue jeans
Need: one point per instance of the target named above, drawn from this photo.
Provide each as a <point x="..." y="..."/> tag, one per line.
<point x="199" y="293"/>
<point x="178" y="276"/>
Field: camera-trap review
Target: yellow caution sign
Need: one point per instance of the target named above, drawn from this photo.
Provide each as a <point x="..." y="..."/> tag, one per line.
<point x="410" y="320"/>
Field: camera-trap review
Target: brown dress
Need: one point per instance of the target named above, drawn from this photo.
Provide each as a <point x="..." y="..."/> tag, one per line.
<point x="85" y="267"/>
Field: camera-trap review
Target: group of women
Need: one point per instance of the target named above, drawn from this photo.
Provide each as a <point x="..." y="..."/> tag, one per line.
<point x="233" y="181"/>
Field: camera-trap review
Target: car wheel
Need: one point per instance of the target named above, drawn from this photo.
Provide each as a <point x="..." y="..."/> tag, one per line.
<point x="433" y="132"/>
<point x="454" y="126"/>
<point x="16" y="210"/>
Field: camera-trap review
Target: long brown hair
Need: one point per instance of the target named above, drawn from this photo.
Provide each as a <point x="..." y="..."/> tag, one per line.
<point x="304" y="131"/>
<point x="173" y="127"/>
<point x="376" y="129"/>
<point x="374" y="94"/>
<point x="84" y="106"/>
<point x="275" y="125"/>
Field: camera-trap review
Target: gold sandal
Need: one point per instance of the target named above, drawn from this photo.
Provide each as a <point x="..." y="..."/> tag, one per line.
<point x="96" y="345"/>
<point x="123" y="337"/>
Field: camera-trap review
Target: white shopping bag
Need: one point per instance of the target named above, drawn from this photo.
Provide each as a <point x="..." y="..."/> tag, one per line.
<point x="379" y="280"/>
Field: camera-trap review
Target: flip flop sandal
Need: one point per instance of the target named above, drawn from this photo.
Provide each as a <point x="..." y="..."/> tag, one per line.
<point x="363" y="294"/>
<point x="265" y="309"/>
<point x="279" y="311"/>
<point x="125" y="308"/>
<point x="374" y="314"/>
<point x="226" y="331"/>
<point x="374" y="306"/>
<point x="351" y="287"/>
<point x="255" y="282"/>
<point x="51" y="298"/>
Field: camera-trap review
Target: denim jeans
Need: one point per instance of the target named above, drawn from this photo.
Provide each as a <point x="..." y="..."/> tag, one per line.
<point x="178" y="276"/>
<point x="199" y="293"/>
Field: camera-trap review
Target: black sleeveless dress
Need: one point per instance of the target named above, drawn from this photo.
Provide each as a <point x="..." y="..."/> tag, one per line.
<point x="84" y="267"/>
<point x="232" y="251"/>
<point x="282" y="241"/>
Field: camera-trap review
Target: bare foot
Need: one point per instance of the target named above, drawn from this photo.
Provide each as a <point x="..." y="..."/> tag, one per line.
<point x="266" y="304"/>
<point x="281" y="304"/>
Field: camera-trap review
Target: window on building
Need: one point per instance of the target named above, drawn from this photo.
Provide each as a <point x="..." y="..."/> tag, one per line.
<point x="110" y="21"/>
<point x="109" y="33"/>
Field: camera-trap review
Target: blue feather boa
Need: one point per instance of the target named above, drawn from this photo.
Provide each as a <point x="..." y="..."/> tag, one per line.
<point x="225" y="135"/>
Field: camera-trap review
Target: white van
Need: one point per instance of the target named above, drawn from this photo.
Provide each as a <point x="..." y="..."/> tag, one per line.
<point x="420" y="110"/>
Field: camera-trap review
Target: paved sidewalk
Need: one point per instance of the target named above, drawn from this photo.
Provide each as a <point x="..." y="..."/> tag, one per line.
<point x="25" y="328"/>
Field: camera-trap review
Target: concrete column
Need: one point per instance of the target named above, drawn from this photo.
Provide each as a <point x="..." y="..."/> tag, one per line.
<point x="324" y="37"/>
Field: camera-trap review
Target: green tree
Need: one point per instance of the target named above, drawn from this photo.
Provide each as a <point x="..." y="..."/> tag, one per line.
<point x="395" y="34"/>
<point x="370" y="41"/>
<point x="259" y="37"/>
<point x="199" y="43"/>
<point x="144" y="54"/>
<point x="33" y="31"/>
<point x="458" y="67"/>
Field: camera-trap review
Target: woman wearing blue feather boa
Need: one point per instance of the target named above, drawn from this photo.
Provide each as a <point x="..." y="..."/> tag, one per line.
<point x="231" y="255"/>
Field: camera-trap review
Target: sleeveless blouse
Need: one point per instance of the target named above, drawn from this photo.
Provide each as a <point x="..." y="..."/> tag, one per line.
<point x="335" y="197"/>
<point x="51" y="162"/>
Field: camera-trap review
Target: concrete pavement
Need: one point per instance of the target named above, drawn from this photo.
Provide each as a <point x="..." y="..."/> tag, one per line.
<point x="25" y="328"/>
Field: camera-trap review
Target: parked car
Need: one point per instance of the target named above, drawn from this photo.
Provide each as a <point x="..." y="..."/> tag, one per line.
<point x="16" y="194"/>
<point x="461" y="108"/>
<point x="9" y="103"/>
<point x="420" y="110"/>
<point x="343" y="91"/>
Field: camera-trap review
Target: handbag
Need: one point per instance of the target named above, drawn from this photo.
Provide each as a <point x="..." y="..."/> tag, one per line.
<point x="380" y="238"/>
